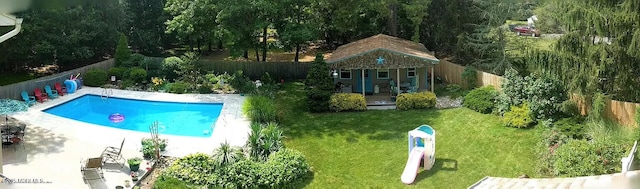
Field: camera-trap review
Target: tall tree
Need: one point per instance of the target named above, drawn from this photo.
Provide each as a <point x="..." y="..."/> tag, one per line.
<point x="193" y="21"/>
<point x="146" y="29"/>
<point x="295" y="27"/>
<point x="600" y="51"/>
<point x="240" y="19"/>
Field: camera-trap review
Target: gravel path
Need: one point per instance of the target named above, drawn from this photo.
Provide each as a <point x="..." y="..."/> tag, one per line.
<point x="447" y="102"/>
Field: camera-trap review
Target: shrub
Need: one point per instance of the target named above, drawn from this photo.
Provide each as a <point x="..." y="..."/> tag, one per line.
<point x="571" y="128"/>
<point x="348" y="102"/>
<point x="421" y="100"/>
<point x="519" y="116"/>
<point x="137" y="74"/>
<point x="570" y="108"/>
<point x="267" y="79"/>
<point x="169" y="67"/>
<point x="264" y="140"/>
<point x="513" y="91"/>
<point x="284" y="169"/>
<point x="583" y="158"/>
<point x="241" y="83"/>
<point x="318" y="85"/>
<point x="127" y="83"/>
<point x="169" y="183"/>
<point x="260" y="109"/>
<point x="178" y="87"/>
<point x="205" y="89"/>
<point x="469" y="76"/>
<point x="545" y="96"/>
<point x="135" y="60"/>
<point x="122" y="51"/>
<point x="148" y="149"/>
<point x="454" y="90"/>
<point x="481" y="99"/>
<point x="118" y="72"/>
<point x="196" y="169"/>
<point x="95" y="78"/>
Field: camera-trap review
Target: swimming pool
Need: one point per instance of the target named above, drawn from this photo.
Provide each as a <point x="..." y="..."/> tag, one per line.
<point x="175" y="118"/>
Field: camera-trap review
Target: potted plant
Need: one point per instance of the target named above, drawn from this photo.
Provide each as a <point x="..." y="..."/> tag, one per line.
<point x="134" y="163"/>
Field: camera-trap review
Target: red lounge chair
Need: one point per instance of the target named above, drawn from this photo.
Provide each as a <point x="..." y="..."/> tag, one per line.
<point x="61" y="90"/>
<point x="39" y="95"/>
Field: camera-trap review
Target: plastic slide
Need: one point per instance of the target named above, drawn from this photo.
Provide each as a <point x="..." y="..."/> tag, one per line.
<point x="413" y="165"/>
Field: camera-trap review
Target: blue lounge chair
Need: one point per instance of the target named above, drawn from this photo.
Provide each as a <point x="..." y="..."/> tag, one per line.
<point x="51" y="93"/>
<point x="30" y="100"/>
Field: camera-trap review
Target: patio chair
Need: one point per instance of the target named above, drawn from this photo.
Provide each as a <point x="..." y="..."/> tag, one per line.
<point x="30" y="100"/>
<point x="91" y="169"/>
<point x="113" y="155"/>
<point x="61" y="90"/>
<point x="51" y="93"/>
<point x="41" y="97"/>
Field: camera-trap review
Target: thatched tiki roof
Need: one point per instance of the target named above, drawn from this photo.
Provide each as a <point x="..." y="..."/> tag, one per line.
<point x="395" y="53"/>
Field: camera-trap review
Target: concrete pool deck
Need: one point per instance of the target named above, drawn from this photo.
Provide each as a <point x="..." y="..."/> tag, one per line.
<point x="54" y="146"/>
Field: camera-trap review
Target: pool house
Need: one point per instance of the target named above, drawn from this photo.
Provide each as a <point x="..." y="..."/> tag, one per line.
<point x="381" y="67"/>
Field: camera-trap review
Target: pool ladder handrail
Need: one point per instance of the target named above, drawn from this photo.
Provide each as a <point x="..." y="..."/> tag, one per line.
<point x="106" y="92"/>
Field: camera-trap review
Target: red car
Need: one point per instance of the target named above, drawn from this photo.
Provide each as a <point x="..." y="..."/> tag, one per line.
<point x="526" y="30"/>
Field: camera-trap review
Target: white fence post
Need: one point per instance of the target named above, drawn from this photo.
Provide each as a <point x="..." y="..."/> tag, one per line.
<point x="627" y="162"/>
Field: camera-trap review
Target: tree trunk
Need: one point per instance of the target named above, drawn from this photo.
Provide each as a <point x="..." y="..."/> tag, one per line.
<point x="297" y="53"/>
<point x="210" y="46"/>
<point x="257" y="54"/>
<point x="246" y="54"/>
<point x="392" y="22"/>
<point x="198" y="43"/>
<point x="265" y="47"/>
<point x="220" y="45"/>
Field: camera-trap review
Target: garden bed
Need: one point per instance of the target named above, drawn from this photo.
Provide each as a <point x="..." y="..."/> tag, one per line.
<point x="148" y="181"/>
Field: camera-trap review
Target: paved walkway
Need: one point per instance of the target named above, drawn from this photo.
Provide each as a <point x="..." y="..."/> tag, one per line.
<point x="628" y="180"/>
<point x="54" y="146"/>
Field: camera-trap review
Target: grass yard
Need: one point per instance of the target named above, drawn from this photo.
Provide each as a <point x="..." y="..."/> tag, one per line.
<point x="369" y="149"/>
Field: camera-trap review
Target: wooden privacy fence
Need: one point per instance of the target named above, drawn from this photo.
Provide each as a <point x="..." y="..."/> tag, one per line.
<point x="619" y="111"/>
<point x="452" y="73"/>
<point x="13" y="91"/>
<point x="255" y="70"/>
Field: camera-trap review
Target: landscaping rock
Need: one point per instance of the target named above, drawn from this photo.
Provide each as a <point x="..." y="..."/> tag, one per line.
<point x="447" y="102"/>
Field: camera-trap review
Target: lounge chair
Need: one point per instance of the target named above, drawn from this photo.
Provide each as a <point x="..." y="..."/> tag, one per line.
<point x="113" y="155"/>
<point x="61" y="90"/>
<point x="51" y="93"/>
<point x="41" y="97"/>
<point x="30" y="100"/>
<point x="92" y="169"/>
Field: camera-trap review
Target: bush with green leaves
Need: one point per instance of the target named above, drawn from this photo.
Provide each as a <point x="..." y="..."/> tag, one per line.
<point x="148" y="148"/>
<point x="348" y="102"/>
<point x="519" y="117"/>
<point x="127" y="83"/>
<point x="454" y="90"/>
<point x="95" y="78"/>
<point x="178" y="87"/>
<point x="242" y="83"/>
<point x="122" y="51"/>
<point x="136" y="74"/>
<point x="545" y="96"/>
<point x="205" y="89"/>
<point x="481" y="99"/>
<point x="264" y="140"/>
<point x="596" y="113"/>
<point x="570" y="108"/>
<point x="198" y="169"/>
<point x="318" y="85"/>
<point x="470" y="78"/>
<point x="119" y="72"/>
<point x="267" y="79"/>
<point x="571" y="128"/>
<point x="286" y="168"/>
<point x="169" y="67"/>
<point x="421" y="100"/>
<point x="584" y="158"/>
<point x="135" y="60"/>
<point x="267" y="90"/>
<point x="164" y="182"/>
<point x="513" y="91"/>
<point x="260" y="109"/>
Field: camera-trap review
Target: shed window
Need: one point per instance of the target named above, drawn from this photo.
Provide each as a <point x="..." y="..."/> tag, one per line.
<point x="345" y="74"/>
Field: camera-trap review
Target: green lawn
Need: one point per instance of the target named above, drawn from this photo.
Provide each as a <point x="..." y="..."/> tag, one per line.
<point x="369" y="149"/>
<point x="11" y="78"/>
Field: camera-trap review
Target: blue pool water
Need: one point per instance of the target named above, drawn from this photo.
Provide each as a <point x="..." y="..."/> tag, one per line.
<point x="175" y="118"/>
